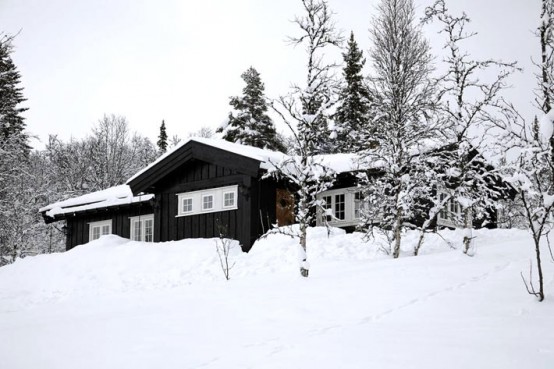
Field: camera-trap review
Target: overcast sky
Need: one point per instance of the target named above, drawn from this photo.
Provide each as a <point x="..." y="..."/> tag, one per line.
<point x="181" y="60"/>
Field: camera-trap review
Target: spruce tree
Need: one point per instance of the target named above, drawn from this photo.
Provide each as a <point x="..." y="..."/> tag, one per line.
<point x="249" y="124"/>
<point x="11" y="94"/>
<point x="162" y="139"/>
<point x="352" y="117"/>
<point x="16" y="215"/>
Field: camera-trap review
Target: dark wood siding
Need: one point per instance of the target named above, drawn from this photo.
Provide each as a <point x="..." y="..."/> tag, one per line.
<point x="78" y="225"/>
<point x="197" y="175"/>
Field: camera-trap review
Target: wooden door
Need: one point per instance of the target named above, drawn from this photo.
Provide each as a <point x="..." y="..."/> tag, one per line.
<point x="284" y="207"/>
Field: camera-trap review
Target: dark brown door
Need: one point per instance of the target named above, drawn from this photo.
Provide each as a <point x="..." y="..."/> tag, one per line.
<point x="284" y="207"/>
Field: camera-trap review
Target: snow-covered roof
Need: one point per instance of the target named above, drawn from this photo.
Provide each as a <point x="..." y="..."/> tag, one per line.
<point x="113" y="196"/>
<point x="122" y="194"/>
<point x="265" y="157"/>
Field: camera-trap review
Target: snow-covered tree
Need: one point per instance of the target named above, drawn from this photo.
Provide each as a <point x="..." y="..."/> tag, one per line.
<point x="249" y="123"/>
<point x="312" y="117"/>
<point x="70" y="165"/>
<point x="532" y="172"/>
<point x="204" y="131"/>
<point x="162" y="139"/>
<point x="307" y="109"/>
<point x="116" y="153"/>
<point x="11" y="93"/>
<point x="545" y="76"/>
<point x="471" y="104"/>
<point x="15" y="179"/>
<point x="352" y="120"/>
<point x="402" y="94"/>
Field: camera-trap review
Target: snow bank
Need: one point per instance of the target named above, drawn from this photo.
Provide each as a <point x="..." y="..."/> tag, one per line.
<point x="113" y="264"/>
<point x="115" y="304"/>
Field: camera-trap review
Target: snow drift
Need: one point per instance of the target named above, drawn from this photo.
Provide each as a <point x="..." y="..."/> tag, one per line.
<point x="115" y="303"/>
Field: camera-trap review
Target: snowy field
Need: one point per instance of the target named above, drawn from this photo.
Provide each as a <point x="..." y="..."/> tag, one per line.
<point x="114" y="303"/>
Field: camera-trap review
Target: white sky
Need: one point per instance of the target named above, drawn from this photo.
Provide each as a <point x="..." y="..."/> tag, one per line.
<point x="181" y="60"/>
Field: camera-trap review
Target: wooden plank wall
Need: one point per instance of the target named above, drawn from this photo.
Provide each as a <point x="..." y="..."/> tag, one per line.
<point x="198" y="175"/>
<point x="78" y="226"/>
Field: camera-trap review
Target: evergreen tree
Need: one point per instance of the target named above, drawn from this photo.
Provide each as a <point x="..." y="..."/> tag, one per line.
<point x="162" y="139"/>
<point x="11" y="94"/>
<point x="15" y="178"/>
<point x="250" y="124"/>
<point x="352" y="116"/>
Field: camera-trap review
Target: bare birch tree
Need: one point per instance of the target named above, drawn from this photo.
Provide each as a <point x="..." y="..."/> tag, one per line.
<point x="402" y="92"/>
<point x="470" y="106"/>
<point x="306" y="112"/>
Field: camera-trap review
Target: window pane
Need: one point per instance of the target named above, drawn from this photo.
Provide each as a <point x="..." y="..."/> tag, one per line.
<point x="105" y="229"/>
<point x="229" y="199"/>
<point x="137" y="230"/>
<point x="326" y="205"/>
<point x="207" y="202"/>
<point x="95" y="233"/>
<point x="148" y="230"/>
<point x="187" y="205"/>
<point x="357" y="204"/>
<point x="339" y="206"/>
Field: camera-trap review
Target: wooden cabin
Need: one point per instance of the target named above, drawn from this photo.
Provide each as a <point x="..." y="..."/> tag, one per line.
<point x="202" y="188"/>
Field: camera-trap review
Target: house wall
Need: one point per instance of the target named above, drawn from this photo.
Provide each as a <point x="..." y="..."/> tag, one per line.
<point x="78" y="225"/>
<point x="243" y="224"/>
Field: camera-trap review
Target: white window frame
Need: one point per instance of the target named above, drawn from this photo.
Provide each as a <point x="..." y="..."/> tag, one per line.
<point x="182" y="205"/>
<point x="349" y="208"/>
<point x="100" y="224"/>
<point x="234" y="199"/>
<point x="141" y="219"/>
<point x="450" y="214"/>
<point x="218" y="199"/>
<point x="205" y="196"/>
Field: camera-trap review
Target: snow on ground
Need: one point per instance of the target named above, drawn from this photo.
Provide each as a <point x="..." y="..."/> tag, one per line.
<point x="115" y="303"/>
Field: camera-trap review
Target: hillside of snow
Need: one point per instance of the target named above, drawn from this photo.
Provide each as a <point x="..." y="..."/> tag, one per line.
<point x="115" y="303"/>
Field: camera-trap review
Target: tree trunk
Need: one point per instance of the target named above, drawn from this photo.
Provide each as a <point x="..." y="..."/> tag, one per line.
<point x="419" y="242"/>
<point x="467" y="229"/>
<point x="304" y="270"/>
<point x="397" y="233"/>
<point x="540" y="294"/>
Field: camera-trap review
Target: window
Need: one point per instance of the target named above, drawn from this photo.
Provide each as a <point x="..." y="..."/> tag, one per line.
<point x="339" y="206"/>
<point x="186" y="205"/>
<point x="451" y="211"/>
<point x="326" y="206"/>
<point x="142" y="228"/>
<point x="357" y="205"/>
<point x="97" y="229"/>
<point x="208" y="201"/>
<point x="228" y="199"/>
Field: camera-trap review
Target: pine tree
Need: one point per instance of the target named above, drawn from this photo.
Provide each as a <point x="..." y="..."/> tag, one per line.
<point x="162" y="139"/>
<point x="352" y="117"/>
<point x="249" y="124"/>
